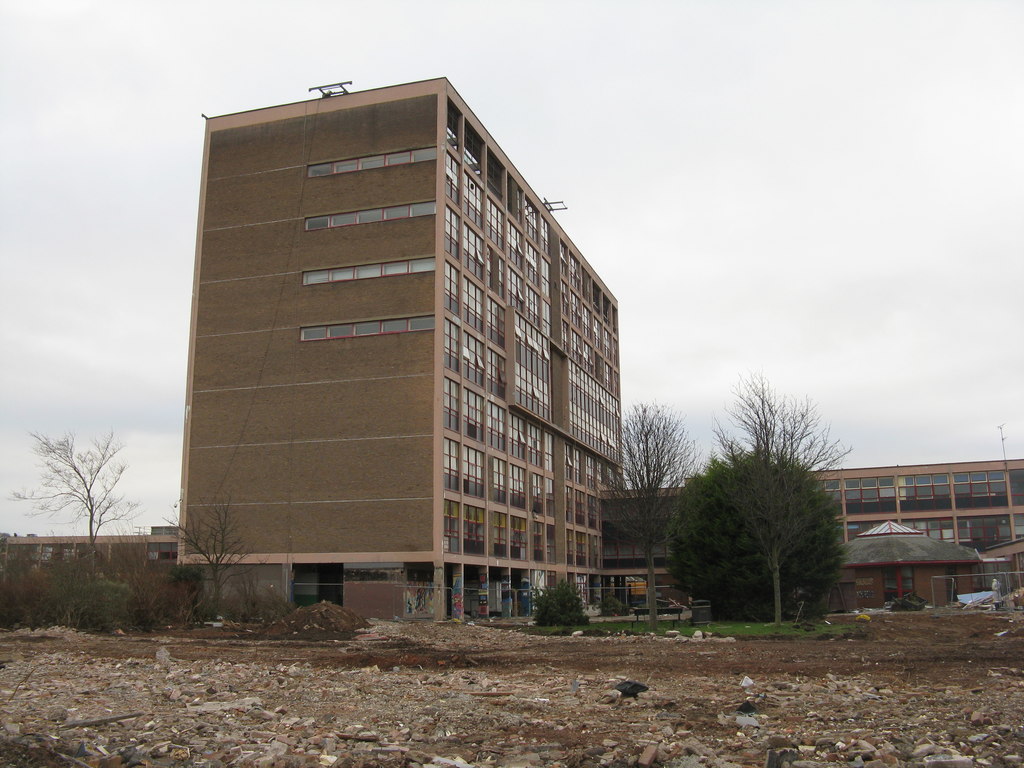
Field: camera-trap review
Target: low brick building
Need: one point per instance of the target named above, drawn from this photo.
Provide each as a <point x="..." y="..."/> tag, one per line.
<point x="892" y="560"/>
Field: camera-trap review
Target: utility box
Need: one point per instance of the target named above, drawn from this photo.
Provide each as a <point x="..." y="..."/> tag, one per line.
<point x="700" y="612"/>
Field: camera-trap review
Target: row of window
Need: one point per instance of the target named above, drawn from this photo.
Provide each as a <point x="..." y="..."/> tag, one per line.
<point x="367" y="328"/>
<point x="506" y="483"/>
<point x="474" y="531"/>
<point x="367" y="271"/>
<point x="977" y="531"/>
<point x="373" y="161"/>
<point x="370" y="215"/>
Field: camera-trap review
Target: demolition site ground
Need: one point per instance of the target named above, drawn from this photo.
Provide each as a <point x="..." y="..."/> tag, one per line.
<point x="910" y="689"/>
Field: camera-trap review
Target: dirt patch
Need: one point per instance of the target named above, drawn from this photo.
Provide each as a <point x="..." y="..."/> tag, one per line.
<point x="323" y="620"/>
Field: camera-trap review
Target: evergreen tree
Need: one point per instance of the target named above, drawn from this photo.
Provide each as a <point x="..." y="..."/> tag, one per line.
<point x="714" y="555"/>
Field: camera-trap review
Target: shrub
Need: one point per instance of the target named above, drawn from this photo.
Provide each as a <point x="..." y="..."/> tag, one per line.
<point x="612" y="606"/>
<point x="559" y="606"/>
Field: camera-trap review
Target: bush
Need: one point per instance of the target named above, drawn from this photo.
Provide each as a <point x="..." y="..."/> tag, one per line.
<point x="559" y="606"/>
<point x="612" y="606"/>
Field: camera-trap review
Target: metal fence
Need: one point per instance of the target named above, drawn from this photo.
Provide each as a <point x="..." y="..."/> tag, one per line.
<point x="1002" y="590"/>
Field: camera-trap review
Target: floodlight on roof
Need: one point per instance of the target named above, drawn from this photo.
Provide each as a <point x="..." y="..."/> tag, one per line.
<point x="555" y="205"/>
<point x="333" y="89"/>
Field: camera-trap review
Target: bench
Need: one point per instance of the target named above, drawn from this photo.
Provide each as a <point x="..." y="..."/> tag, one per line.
<point x="642" y="613"/>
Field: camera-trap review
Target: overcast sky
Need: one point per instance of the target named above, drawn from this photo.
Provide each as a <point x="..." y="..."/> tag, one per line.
<point x="830" y="193"/>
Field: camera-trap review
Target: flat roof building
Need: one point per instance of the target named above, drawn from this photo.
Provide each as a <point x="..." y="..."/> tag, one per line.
<point x="403" y="376"/>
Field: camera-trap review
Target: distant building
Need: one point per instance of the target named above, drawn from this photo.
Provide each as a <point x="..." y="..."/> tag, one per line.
<point x="160" y="545"/>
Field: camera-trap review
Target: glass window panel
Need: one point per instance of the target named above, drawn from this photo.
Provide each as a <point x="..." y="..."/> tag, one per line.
<point x="421" y="209"/>
<point x="309" y="334"/>
<point x="371" y="162"/>
<point x="368" y="270"/>
<point x="394" y="326"/>
<point x="343" y="219"/>
<point x="887" y="493"/>
<point x="997" y="487"/>
<point x="869" y="482"/>
<point x="322" y="169"/>
<point x="318" y="222"/>
<point x="396" y="212"/>
<point x="396" y="158"/>
<point x="344" y="166"/>
<point x="853" y="483"/>
<point x="396" y="268"/>
<point x="421" y="265"/>
<point x="344" y="273"/>
<point x="941" y="490"/>
<point x="962" y="489"/>
<point x="940" y="479"/>
<point x="374" y="214"/>
<point x="320" y="276"/>
<point x="365" y="329"/>
<point x="339" y="331"/>
<point x="904" y="480"/>
<point x="428" y="153"/>
<point x="885" y="482"/>
<point x="979" y="477"/>
<point x="421" y="323"/>
<point x="923" y="480"/>
<point x="960" y="477"/>
<point x="995" y="475"/>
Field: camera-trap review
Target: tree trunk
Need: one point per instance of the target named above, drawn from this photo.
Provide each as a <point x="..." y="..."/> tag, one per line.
<point x="652" y="594"/>
<point x="777" y="592"/>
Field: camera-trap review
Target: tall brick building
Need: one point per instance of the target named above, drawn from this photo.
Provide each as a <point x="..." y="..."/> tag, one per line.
<point x="403" y="376"/>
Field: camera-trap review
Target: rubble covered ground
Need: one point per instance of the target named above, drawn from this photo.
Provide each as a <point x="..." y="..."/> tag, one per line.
<point x="935" y="689"/>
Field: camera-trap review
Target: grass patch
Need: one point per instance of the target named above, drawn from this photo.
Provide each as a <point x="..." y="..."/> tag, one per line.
<point x="719" y="628"/>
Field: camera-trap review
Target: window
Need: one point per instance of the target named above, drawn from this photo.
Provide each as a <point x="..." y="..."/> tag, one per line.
<point x="550" y="541"/>
<point x="495" y="175"/>
<point x="979" y="490"/>
<point x="473" y="201"/>
<point x="495" y="322"/>
<point x="451" y="345"/>
<point x="473" y="248"/>
<point x="517" y="537"/>
<point x="499" y="534"/>
<point x="474" y="301"/>
<point x="549" y="496"/>
<point x="451" y="288"/>
<point x="533" y="369"/>
<point x="451" y="526"/>
<point x="473" y="471"/>
<point x="869" y="495"/>
<point x="495" y="224"/>
<point x="517" y="486"/>
<point x="373" y="161"/>
<point x="937" y="528"/>
<point x="474" y="414"/>
<point x="370" y="215"/>
<point x="368" y="328"/>
<point x="592" y="518"/>
<point x="517" y="438"/>
<point x="452" y="128"/>
<point x="473" y="530"/>
<point x="495" y="373"/>
<point x="162" y="550"/>
<point x="496" y="272"/>
<point x="473" y="358"/>
<point x="983" y="532"/>
<point x="451" y="233"/>
<point x="496" y="426"/>
<point x="515" y="246"/>
<point x="451" y="465"/>
<point x="451" y="178"/>
<point x="451" y="405"/>
<point x="474" y="149"/>
<point x="530" y="219"/>
<point x="537" y="537"/>
<point x="499" y="480"/>
<point x="363" y="271"/>
<point x="533" y="444"/>
<point x="924" y="492"/>
<point x="536" y="494"/>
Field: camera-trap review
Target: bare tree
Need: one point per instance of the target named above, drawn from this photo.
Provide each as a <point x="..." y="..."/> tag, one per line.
<point x="81" y="485"/>
<point x="212" y="535"/>
<point x="779" y="445"/>
<point x="657" y="456"/>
